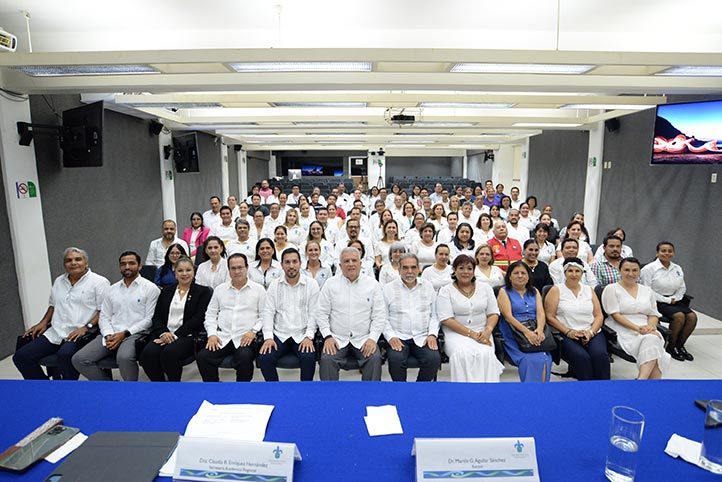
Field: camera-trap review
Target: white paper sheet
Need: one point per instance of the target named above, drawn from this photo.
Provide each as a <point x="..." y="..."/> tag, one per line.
<point x="383" y="420"/>
<point x="229" y="422"/>
<point x="232" y="422"/>
<point x="66" y="448"/>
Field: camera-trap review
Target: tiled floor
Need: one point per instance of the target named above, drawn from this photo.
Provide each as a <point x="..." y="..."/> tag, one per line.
<point x="705" y="344"/>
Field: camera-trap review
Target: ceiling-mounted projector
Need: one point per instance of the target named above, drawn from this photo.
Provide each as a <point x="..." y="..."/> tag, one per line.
<point x="403" y="119"/>
<point x="8" y="41"/>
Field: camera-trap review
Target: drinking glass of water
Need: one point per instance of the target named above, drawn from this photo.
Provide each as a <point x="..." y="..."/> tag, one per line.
<point x="625" y="435"/>
<point x="711" y="455"/>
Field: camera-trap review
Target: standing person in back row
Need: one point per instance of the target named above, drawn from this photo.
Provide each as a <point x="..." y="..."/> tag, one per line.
<point x="126" y="314"/>
<point x="351" y="316"/>
<point x="158" y="247"/>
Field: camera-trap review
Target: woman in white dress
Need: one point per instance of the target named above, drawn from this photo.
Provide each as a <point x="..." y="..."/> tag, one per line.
<point x="214" y="271"/>
<point x="425" y="247"/>
<point x="486" y="272"/>
<point x="438" y="216"/>
<point x="296" y="234"/>
<point x="439" y="273"/>
<point x="317" y="233"/>
<point x="484" y="229"/>
<point x="574" y="310"/>
<point x="390" y="270"/>
<point x="381" y="248"/>
<point x="575" y="231"/>
<point x="280" y="240"/>
<point x="463" y="242"/>
<point x="632" y="312"/>
<point x="468" y="312"/>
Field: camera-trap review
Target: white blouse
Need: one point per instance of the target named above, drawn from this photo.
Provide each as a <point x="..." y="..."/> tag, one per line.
<point x="438" y="278"/>
<point x="206" y="277"/>
<point x="175" y="311"/>
<point x="495" y="278"/>
<point x="576" y="312"/>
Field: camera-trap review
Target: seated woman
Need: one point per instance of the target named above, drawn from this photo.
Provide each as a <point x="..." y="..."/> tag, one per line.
<point x="540" y="276"/>
<point x="468" y="313"/>
<point x="425" y="247"/>
<point x="574" y="230"/>
<point x="632" y="312"/>
<point x="486" y="272"/>
<point x="390" y="271"/>
<point x="574" y="310"/>
<point x="165" y="275"/>
<point x="547" y="250"/>
<point x="463" y="241"/>
<point x="213" y="272"/>
<point x="195" y="235"/>
<point x="265" y="267"/>
<point x="439" y="273"/>
<point x="314" y="267"/>
<point x="519" y="301"/>
<point x="666" y="279"/>
<point x="178" y="318"/>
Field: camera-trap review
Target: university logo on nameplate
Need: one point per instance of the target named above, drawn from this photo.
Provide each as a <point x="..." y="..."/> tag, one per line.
<point x="476" y="459"/>
<point x="207" y="459"/>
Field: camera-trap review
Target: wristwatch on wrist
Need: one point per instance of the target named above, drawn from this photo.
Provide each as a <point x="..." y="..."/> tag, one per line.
<point x="89" y="325"/>
<point x="126" y="333"/>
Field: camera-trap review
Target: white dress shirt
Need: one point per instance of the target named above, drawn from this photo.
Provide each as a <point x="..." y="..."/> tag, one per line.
<point x="438" y="279"/>
<point x="351" y="311"/>
<point x="520" y="233"/>
<point x="156" y="251"/>
<point x="226" y="233"/>
<point x="74" y="305"/>
<point x="128" y="307"/>
<point x="666" y="283"/>
<point x="411" y="312"/>
<point x="233" y="312"/>
<point x="206" y="277"/>
<point x="556" y="271"/>
<point x="247" y="247"/>
<point x="210" y="219"/>
<point x="289" y="311"/>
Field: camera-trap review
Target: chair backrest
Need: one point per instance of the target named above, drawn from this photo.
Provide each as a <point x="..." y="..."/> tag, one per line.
<point x="599" y="290"/>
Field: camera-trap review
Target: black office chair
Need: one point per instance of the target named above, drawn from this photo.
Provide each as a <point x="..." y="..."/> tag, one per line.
<point x="559" y="339"/>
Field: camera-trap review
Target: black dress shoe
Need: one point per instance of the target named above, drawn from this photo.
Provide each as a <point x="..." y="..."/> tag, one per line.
<point x="676" y="354"/>
<point x="687" y="355"/>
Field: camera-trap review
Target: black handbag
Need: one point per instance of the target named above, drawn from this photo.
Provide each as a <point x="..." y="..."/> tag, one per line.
<point x="524" y="345"/>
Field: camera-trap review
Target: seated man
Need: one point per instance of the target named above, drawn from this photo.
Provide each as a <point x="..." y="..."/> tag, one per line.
<point x="158" y="247"/>
<point x="606" y="268"/>
<point x="412" y="323"/>
<point x="226" y="230"/>
<point x="351" y="315"/>
<point x="244" y="244"/>
<point x="126" y="314"/>
<point x="570" y="249"/>
<point x="506" y="250"/>
<point x="288" y="319"/>
<point x="75" y="301"/>
<point x="213" y="215"/>
<point x="232" y="320"/>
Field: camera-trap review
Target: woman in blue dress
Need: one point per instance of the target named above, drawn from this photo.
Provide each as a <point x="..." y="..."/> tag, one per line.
<point x="520" y="301"/>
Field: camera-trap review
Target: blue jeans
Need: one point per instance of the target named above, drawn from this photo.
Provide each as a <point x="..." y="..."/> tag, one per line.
<point x="27" y="357"/>
<point x="269" y="361"/>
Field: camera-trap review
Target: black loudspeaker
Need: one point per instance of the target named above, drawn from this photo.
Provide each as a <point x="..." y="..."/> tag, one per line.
<point x="237" y="147"/>
<point x="155" y="128"/>
<point x="612" y="125"/>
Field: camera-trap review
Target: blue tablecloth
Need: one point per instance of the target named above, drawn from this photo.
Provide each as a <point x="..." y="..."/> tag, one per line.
<point x="569" y="420"/>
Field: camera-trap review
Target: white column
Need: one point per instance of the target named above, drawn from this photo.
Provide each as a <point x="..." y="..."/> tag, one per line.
<point x="242" y="160"/>
<point x="523" y="174"/>
<point x="464" y="165"/>
<point x="593" y="186"/>
<point x="25" y="213"/>
<point x="167" y="177"/>
<point x="271" y="165"/>
<point x="225" y="179"/>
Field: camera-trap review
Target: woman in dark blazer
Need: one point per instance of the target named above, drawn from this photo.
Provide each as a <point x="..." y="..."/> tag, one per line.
<point x="178" y="317"/>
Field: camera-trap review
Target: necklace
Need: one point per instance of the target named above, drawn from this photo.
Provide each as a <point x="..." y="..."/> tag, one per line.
<point x="469" y="293"/>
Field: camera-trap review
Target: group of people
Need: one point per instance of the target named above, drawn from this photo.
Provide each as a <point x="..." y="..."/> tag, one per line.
<point x="362" y="268"/>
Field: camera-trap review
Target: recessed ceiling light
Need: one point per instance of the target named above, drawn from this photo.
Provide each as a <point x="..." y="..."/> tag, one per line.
<point x="477" y="68"/>
<point x="331" y="124"/>
<point x="693" y="71"/>
<point x="64" y="70"/>
<point x="301" y="66"/>
<point x="545" y="124"/>
<point x="319" y="104"/>
<point x="608" y="106"/>
<point x="469" y="105"/>
<point x="174" y="105"/>
<point x="443" y="124"/>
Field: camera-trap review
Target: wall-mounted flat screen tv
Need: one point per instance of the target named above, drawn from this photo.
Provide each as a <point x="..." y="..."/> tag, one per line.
<point x="311" y="170"/>
<point x="185" y="152"/>
<point x="82" y="136"/>
<point x="688" y="133"/>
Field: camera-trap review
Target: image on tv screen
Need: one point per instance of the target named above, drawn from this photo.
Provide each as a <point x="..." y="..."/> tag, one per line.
<point x="312" y="170"/>
<point x="689" y="133"/>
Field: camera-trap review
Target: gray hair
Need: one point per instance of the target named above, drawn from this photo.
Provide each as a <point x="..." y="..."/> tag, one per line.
<point x="243" y="221"/>
<point x="73" y="249"/>
<point x="397" y="247"/>
<point x="409" y="256"/>
<point x="350" y="249"/>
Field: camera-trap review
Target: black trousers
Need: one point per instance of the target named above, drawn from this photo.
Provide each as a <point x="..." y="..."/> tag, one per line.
<point x="209" y="361"/>
<point x="161" y="362"/>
